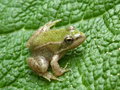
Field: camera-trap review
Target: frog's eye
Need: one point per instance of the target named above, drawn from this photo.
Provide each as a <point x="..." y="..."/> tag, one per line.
<point x="69" y="39"/>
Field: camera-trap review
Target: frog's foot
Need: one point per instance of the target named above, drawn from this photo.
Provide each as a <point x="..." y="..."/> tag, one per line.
<point x="66" y="69"/>
<point x="63" y="70"/>
<point x="47" y="26"/>
<point x="52" y="23"/>
<point x="60" y="71"/>
<point x="49" y="76"/>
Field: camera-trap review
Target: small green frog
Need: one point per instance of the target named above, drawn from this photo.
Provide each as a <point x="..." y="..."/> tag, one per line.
<point x="48" y="46"/>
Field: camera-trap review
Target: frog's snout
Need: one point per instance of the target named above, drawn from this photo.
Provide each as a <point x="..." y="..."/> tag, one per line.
<point x="84" y="37"/>
<point x="81" y="36"/>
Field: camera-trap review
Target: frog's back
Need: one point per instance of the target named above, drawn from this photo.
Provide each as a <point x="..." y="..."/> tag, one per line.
<point x="48" y="37"/>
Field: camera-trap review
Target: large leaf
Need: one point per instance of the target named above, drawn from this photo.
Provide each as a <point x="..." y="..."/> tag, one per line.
<point x="95" y="65"/>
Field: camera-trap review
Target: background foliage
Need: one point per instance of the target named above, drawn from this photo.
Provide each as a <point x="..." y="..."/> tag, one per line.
<point x="95" y="64"/>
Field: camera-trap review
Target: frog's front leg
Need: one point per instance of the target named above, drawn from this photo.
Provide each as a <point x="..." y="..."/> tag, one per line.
<point x="55" y="66"/>
<point x="40" y="66"/>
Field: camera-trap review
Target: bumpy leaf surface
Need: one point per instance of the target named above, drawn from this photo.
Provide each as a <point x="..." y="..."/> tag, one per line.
<point x="95" y="65"/>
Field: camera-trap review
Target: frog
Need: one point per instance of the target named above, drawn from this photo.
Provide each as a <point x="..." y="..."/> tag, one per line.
<point x="48" y="46"/>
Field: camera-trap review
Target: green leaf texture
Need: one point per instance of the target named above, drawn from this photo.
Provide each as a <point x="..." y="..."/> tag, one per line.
<point x="95" y="65"/>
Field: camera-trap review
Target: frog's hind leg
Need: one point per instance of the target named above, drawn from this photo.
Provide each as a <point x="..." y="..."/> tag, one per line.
<point x="44" y="28"/>
<point x="48" y="25"/>
<point x="40" y="66"/>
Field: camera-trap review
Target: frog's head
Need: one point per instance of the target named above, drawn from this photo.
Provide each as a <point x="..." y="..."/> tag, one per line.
<point x="74" y="38"/>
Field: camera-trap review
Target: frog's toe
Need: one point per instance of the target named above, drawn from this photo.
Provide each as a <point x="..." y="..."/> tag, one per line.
<point x="66" y="66"/>
<point x="65" y="69"/>
<point x="47" y="78"/>
<point x="55" y="78"/>
<point x="52" y="23"/>
<point x="50" y="76"/>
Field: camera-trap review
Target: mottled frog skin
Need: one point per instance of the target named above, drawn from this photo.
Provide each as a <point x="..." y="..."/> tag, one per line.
<point x="48" y="46"/>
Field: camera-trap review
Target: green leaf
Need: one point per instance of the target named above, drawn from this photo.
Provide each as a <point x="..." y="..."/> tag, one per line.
<point x="95" y="65"/>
